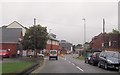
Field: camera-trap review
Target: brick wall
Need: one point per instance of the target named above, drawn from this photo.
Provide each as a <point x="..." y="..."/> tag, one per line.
<point x="11" y="46"/>
<point x="111" y="42"/>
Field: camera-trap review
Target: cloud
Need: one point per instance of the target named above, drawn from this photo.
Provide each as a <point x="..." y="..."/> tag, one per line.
<point x="64" y="18"/>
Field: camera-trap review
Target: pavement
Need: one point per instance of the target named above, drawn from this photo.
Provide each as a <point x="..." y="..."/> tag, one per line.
<point x="68" y="64"/>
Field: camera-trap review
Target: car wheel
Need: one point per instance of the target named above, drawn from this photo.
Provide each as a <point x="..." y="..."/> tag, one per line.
<point x="93" y="63"/>
<point x="99" y="64"/>
<point x="119" y="69"/>
<point x="56" y="58"/>
<point x="85" y="61"/>
<point x="106" y="66"/>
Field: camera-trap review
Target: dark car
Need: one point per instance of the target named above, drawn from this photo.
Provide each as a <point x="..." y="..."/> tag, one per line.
<point x="5" y="53"/>
<point x="109" y="59"/>
<point x="87" y="57"/>
<point x="94" y="58"/>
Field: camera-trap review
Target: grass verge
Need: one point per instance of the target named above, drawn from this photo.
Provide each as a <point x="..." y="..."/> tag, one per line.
<point x="15" y="67"/>
<point x="18" y="67"/>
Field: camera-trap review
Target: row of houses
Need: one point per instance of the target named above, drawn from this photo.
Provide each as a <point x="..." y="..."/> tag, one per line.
<point x="12" y="34"/>
<point x="106" y="41"/>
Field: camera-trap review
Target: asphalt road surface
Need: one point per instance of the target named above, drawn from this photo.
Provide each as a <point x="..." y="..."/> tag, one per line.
<point x="68" y="64"/>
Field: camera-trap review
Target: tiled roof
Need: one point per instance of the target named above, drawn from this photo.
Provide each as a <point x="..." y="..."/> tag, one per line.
<point x="10" y="35"/>
<point x="17" y="23"/>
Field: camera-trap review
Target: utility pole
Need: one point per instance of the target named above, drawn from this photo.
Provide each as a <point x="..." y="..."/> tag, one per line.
<point x="35" y="39"/>
<point x="103" y="44"/>
<point x="103" y="25"/>
<point x="34" y="21"/>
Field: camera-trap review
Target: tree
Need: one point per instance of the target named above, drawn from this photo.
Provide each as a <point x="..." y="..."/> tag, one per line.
<point x="114" y="32"/>
<point x="35" y="38"/>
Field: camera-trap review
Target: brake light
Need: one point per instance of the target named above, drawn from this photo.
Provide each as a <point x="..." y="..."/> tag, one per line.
<point x="94" y="56"/>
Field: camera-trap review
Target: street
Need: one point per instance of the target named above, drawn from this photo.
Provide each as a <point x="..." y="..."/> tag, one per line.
<point x="68" y="64"/>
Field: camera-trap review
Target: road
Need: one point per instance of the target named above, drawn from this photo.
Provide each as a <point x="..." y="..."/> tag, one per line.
<point x="68" y="64"/>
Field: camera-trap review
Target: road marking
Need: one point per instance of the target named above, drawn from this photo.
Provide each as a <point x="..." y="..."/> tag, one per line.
<point x="69" y="61"/>
<point x="79" y="68"/>
<point x="65" y="58"/>
<point x="45" y="58"/>
<point x="73" y="64"/>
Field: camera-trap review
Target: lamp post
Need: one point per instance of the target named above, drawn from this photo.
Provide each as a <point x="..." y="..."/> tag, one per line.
<point x="84" y="31"/>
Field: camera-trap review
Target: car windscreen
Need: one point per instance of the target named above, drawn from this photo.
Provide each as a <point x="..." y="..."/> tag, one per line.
<point x="113" y="54"/>
<point x="97" y="54"/>
<point x="89" y="54"/>
<point x="52" y="52"/>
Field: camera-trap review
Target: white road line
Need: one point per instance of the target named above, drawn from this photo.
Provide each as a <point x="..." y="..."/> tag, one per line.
<point x="73" y="64"/>
<point x="69" y="61"/>
<point x="45" y="58"/>
<point x="65" y="58"/>
<point x="79" y="68"/>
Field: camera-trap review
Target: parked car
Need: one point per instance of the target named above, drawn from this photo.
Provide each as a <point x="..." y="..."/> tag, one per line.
<point x="53" y="54"/>
<point x="109" y="59"/>
<point x="94" y="58"/>
<point x="5" y="53"/>
<point x="87" y="57"/>
<point x="40" y="55"/>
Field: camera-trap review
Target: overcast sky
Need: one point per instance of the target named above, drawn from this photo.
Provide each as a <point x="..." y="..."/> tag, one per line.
<point x="64" y="18"/>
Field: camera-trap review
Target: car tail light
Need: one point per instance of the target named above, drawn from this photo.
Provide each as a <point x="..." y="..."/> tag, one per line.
<point x="94" y="56"/>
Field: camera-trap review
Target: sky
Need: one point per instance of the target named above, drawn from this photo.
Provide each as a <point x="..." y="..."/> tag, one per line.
<point x="63" y="18"/>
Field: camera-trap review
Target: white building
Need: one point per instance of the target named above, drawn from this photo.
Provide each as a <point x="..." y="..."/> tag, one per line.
<point x="15" y="24"/>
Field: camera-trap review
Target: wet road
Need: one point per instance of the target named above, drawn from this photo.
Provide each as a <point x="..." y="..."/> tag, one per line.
<point x="68" y="64"/>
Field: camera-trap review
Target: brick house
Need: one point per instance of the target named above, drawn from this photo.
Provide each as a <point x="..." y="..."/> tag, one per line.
<point x="15" y="24"/>
<point x="107" y="41"/>
<point x="114" y="42"/>
<point x="52" y="42"/>
<point x="65" y="46"/>
<point x="10" y="39"/>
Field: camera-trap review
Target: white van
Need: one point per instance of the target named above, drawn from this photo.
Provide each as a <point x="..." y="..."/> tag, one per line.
<point x="53" y="54"/>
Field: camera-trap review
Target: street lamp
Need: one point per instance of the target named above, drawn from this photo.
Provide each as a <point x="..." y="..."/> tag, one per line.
<point x="84" y="31"/>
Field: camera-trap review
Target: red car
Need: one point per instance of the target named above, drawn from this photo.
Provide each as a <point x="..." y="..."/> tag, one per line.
<point x="5" y="53"/>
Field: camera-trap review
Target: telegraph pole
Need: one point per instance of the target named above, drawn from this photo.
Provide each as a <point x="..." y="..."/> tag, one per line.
<point x="34" y="21"/>
<point x="103" y="44"/>
<point x="35" y="39"/>
<point x="103" y="25"/>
